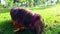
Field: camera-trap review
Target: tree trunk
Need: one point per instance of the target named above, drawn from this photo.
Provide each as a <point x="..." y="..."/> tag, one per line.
<point x="35" y="2"/>
<point x="26" y="3"/>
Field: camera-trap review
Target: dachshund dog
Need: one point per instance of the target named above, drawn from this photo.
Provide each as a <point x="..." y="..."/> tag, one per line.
<point x="24" y="19"/>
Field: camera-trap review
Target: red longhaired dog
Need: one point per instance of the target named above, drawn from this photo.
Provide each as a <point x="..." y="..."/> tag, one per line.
<point x="23" y="19"/>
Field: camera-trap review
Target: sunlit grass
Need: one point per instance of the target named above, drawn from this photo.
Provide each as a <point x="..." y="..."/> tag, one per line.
<point x="49" y="15"/>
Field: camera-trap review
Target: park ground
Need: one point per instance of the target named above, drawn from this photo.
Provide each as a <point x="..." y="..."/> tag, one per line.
<point x="51" y="15"/>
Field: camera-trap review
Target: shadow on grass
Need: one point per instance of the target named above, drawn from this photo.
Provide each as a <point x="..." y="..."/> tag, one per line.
<point x="8" y="28"/>
<point x="37" y="8"/>
<point x="4" y="10"/>
<point x="40" y="8"/>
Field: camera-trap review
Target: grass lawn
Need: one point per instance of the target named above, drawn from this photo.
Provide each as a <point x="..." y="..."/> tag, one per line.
<point x="50" y="15"/>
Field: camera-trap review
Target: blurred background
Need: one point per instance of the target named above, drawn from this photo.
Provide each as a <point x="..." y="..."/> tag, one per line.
<point x="48" y="9"/>
<point x="27" y="3"/>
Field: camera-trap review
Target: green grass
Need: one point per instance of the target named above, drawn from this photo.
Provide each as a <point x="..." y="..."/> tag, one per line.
<point x="49" y="14"/>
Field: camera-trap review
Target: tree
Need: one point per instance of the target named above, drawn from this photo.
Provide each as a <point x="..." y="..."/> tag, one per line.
<point x="10" y="2"/>
<point x="31" y="2"/>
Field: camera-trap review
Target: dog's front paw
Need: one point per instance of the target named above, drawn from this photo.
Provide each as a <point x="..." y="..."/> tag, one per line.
<point x="16" y="30"/>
